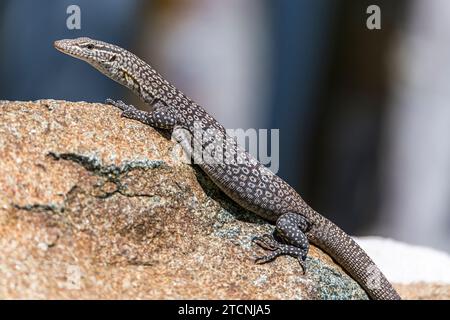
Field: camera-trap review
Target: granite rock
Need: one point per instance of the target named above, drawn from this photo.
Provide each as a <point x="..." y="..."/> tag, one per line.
<point x="93" y="205"/>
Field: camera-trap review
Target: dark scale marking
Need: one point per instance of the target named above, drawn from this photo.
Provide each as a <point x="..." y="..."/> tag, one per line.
<point x="244" y="180"/>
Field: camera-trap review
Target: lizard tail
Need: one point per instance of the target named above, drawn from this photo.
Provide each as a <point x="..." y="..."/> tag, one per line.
<point x="353" y="259"/>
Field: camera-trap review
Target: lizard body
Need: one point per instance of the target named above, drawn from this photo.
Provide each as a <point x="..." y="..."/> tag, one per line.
<point x="238" y="174"/>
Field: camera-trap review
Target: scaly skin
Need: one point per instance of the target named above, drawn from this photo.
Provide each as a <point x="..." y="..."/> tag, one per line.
<point x="237" y="173"/>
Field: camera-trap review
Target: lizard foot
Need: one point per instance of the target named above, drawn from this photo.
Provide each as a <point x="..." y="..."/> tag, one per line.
<point x="162" y="117"/>
<point x="268" y="242"/>
<point x="128" y="111"/>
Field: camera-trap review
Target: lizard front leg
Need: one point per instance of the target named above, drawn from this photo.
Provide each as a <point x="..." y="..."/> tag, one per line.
<point x="161" y="117"/>
<point x="290" y="230"/>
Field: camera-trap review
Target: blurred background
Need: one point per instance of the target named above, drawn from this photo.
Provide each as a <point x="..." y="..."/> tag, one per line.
<point x="364" y="115"/>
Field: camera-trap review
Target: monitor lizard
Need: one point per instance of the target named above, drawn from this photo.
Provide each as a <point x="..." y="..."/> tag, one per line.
<point x="238" y="174"/>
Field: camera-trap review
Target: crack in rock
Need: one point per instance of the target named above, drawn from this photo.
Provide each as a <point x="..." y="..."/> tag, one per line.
<point x="93" y="163"/>
<point x="40" y="207"/>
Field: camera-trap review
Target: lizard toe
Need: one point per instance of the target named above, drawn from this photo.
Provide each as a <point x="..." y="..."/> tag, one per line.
<point x="266" y="241"/>
<point x="268" y="258"/>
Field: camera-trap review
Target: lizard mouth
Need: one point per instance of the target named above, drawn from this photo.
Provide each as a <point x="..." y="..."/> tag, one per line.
<point x="65" y="47"/>
<point x="59" y="45"/>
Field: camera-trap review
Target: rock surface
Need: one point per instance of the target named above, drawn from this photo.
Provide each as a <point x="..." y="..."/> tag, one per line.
<point x="93" y="205"/>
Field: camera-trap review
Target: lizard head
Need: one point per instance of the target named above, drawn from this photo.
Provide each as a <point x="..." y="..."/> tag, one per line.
<point x="99" y="54"/>
<point x="113" y="61"/>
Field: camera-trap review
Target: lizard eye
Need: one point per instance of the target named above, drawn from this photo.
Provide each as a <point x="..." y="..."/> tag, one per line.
<point x="90" y="46"/>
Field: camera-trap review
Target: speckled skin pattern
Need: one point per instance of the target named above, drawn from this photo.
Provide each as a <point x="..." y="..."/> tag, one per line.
<point x="237" y="173"/>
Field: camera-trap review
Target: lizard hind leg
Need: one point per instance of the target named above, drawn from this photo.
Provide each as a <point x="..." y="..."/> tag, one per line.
<point x="288" y="239"/>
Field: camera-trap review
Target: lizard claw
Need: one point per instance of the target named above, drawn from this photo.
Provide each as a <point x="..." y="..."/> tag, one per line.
<point x="266" y="241"/>
<point x="111" y="102"/>
<point x="267" y="258"/>
<point x="301" y="261"/>
<point x="128" y="111"/>
<point x="119" y="104"/>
